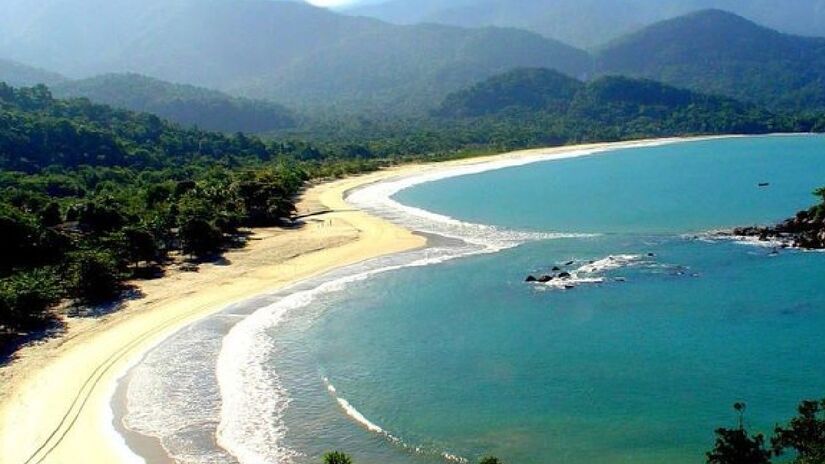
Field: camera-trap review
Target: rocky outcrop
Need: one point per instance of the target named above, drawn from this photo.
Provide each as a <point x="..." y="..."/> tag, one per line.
<point x="805" y="230"/>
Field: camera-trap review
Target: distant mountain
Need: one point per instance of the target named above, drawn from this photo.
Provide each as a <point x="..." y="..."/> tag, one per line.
<point x="718" y="52"/>
<point x="17" y="74"/>
<point x="285" y="51"/>
<point x="184" y="104"/>
<point x="584" y="23"/>
<point x="590" y="23"/>
<point x="610" y="107"/>
<point x="411" y="67"/>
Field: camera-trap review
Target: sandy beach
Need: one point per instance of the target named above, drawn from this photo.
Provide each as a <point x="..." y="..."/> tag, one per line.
<point x="55" y="396"/>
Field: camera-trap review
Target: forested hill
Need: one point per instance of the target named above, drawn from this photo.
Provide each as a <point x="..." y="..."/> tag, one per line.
<point x="20" y="75"/>
<point x="717" y="52"/>
<point x="539" y="103"/>
<point x="184" y="104"/>
<point x="530" y="89"/>
<point x="287" y="52"/>
<point x="38" y="131"/>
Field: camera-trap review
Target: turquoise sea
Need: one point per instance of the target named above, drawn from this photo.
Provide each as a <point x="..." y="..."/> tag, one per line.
<point x="457" y="357"/>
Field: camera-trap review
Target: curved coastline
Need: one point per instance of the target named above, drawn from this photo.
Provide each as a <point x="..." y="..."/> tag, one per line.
<point x="56" y="403"/>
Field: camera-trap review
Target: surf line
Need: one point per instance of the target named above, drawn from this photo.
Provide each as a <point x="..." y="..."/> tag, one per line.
<point x="361" y="420"/>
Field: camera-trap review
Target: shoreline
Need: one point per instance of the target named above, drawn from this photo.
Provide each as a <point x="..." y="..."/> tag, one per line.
<point x="57" y="395"/>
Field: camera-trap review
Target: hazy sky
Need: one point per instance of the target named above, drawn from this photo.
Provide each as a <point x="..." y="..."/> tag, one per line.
<point x="332" y="3"/>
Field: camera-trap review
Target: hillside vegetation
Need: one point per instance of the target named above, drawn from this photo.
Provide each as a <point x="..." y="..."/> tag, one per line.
<point x="545" y="106"/>
<point x="718" y="52"/>
<point x="184" y="104"/>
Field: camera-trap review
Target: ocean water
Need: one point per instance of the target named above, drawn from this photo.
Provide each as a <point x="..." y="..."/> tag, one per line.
<point x="446" y="354"/>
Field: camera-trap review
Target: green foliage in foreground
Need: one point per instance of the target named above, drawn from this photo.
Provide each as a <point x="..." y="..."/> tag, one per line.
<point x="490" y="460"/>
<point x="803" y="438"/>
<point x="337" y="457"/>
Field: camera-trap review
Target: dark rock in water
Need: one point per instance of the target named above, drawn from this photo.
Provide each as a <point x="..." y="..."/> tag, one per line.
<point x="569" y="263"/>
<point x="530" y="279"/>
<point x="556" y="268"/>
<point x="651" y="255"/>
<point x="805" y="230"/>
<point x="564" y="275"/>
<point x="545" y="278"/>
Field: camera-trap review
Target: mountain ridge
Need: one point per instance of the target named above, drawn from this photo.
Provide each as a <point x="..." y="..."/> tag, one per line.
<point x="185" y="104"/>
<point x="715" y="51"/>
<point x="261" y="49"/>
<point x="589" y="23"/>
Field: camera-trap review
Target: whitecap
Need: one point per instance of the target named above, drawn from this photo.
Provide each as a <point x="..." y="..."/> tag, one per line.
<point x="360" y="419"/>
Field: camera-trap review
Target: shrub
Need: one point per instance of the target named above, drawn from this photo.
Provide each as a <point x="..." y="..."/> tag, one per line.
<point x="490" y="460"/>
<point x="805" y="434"/>
<point x="736" y="446"/>
<point x="337" y="457"/>
<point x="94" y="276"/>
<point x="200" y="238"/>
<point x="26" y="299"/>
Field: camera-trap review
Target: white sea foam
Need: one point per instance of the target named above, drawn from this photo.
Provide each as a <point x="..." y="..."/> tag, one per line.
<point x="609" y="263"/>
<point x="722" y="236"/>
<point x="592" y="272"/>
<point x="253" y="398"/>
<point x="181" y="371"/>
<point x="359" y="418"/>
